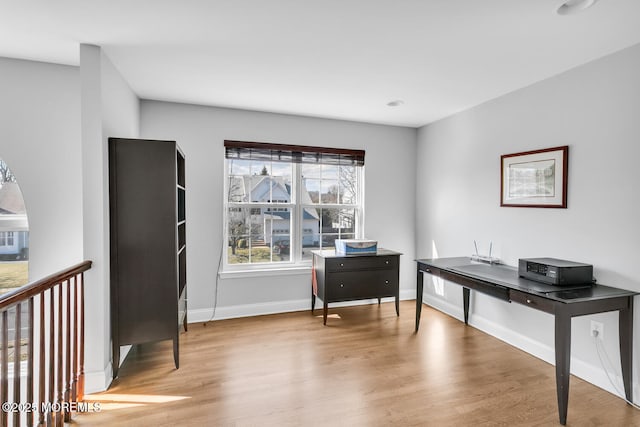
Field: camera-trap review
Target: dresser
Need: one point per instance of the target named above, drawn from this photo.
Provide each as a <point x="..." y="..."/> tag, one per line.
<point x="339" y="278"/>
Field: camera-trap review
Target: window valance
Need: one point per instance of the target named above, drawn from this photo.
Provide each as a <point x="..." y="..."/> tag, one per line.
<point x="292" y="153"/>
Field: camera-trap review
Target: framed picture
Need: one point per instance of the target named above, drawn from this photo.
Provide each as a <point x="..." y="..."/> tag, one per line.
<point x="536" y="179"/>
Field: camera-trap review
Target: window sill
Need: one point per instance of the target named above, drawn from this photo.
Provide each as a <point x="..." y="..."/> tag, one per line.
<point x="286" y="271"/>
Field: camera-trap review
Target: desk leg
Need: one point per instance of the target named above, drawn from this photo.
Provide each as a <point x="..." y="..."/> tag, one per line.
<point x="325" y="311"/>
<point x="625" y="332"/>
<point x="313" y="302"/>
<point x="465" y="301"/>
<point x="563" y="361"/>
<point x="419" y="287"/>
<point x="397" y="305"/>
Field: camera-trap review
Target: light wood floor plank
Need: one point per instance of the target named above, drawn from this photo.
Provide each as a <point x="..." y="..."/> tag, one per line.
<point x="365" y="368"/>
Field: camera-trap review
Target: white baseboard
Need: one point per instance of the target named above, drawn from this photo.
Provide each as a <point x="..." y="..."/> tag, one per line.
<point x="248" y="310"/>
<point x="593" y="374"/>
<point x="98" y="381"/>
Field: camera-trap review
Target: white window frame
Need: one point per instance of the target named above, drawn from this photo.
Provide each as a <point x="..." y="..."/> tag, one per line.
<point x="296" y="208"/>
<point x="7" y="238"/>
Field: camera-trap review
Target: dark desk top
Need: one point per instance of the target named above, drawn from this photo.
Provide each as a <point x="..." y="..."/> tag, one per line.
<point x="331" y="253"/>
<point x="507" y="276"/>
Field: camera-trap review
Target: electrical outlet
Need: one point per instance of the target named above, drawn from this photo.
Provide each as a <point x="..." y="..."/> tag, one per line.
<point x="597" y="330"/>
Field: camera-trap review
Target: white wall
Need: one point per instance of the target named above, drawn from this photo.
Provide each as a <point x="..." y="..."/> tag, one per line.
<point x="200" y="131"/>
<point x="40" y="141"/>
<point x="55" y="121"/>
<point x="109" y="108"/>
<point x="594" y="109"/>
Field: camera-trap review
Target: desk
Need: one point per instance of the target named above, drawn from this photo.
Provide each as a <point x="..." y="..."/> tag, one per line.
<point x="353" y="277"/>
<point x="564" y="302"/>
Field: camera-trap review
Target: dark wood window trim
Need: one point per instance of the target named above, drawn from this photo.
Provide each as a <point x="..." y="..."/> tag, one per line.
<point x="292" y="153"/>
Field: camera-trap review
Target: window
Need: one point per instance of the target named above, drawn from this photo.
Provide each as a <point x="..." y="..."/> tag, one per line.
<point x="14" y="232"/>
<point x="6" y="238"/>
<point x="282" y="201"/>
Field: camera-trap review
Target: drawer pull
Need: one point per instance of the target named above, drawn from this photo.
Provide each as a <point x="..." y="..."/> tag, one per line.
<point x="386" y="282"/>
<point x="528" y="301"/>
<point x="341" y="264"/>
<point x="342" y="285"/>
<point x="386" y="262"/>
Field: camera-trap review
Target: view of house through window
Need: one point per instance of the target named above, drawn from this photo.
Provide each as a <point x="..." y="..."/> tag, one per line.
<point x="277" y="211"/>
<point x="14" y="233"/>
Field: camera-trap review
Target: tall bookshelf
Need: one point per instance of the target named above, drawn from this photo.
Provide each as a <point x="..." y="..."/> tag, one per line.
<point x="147" y="193"/>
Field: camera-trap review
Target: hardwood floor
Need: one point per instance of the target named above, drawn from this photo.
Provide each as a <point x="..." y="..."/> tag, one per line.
<point x="365" y="368"/>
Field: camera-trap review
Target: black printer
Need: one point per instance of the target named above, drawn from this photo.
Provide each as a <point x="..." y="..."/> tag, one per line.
<point x="555" y="271"/>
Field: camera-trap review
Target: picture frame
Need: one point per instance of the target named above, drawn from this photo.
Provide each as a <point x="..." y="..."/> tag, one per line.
<point x="535" y="179"/>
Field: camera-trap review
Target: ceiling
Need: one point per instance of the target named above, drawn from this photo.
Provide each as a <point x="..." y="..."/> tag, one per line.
<point x="342" y="59"/>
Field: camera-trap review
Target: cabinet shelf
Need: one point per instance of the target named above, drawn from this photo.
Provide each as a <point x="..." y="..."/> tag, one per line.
<point x="181" y="205"/>
<point x="182" y="235"/>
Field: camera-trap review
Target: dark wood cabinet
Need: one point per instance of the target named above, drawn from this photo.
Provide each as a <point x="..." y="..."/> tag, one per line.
<point x="346" y="278"/>
<point x="148" y="243"/>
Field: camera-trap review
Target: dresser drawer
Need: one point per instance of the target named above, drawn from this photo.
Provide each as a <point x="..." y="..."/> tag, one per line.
<point x="354" y="285"/>
<point x="361" y="262"/>
<point x="388" y="283"/>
